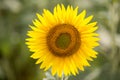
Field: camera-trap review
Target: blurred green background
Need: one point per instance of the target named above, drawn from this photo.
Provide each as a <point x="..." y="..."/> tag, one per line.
<point x="16" y="15"/>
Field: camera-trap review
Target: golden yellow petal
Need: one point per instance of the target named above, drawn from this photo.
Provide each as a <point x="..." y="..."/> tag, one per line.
<point x="38" y="54"/>
<point x="87" y="20"/>
<point x="54" y="66"/>
<point x="80" y="18"/>
<point x="43" y="22"/>
<point x="49" y="18"/>
<point x="88" y="35"/>
<point x="73" y="66"/>
<point x="90" y="30"/>
<point x="47" y="63"/>
<point x="92" y="24"/>
<point x="83" y="59"/>
<point x="60" y="68"/>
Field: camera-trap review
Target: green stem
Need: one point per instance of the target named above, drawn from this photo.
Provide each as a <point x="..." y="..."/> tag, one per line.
<point x="62" y="78"/>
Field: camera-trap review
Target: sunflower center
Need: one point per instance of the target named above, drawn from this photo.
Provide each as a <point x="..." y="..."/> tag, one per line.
<point x="63" y="40"/>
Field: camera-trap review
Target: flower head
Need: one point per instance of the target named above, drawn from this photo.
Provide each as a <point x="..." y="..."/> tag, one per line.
<point x="63" y="41"/>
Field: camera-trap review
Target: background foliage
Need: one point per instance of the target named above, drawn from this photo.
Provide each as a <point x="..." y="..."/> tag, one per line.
<point x="16" y="15"/>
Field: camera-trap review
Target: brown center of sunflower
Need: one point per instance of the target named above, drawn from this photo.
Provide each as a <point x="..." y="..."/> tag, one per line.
<point x="63" y="40"/>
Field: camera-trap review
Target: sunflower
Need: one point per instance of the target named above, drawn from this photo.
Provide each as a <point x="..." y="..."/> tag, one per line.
<point x="63" y="40"/>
